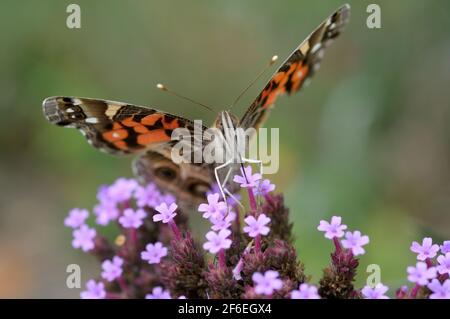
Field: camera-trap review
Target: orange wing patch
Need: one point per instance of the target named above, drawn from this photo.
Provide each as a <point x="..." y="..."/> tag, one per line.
<point x="170" y="124"/>
<point x="155" y="136"/>
<point x="151" y="119"/>
<point x="115" y="135"/>
<point x="293" y="77"/>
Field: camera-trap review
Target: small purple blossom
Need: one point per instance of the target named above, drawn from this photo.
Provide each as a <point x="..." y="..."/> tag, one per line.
<point x="132" y="218"/>
<point x="355" y="241"/>
<point x="247" y="179"/>
<point x="334" y="229"/>
<point x="168" y="199"/>
<point x="257" y="226"/>
<point x="217" y="241"/>
<point x="229" y="200"/>
<point x="439" y="291"/>
<point x="445" y="247"/>
<point x="102" y="194"/>
<point x="93" y="290"/>
<point x="76" y="218"/>
<point x="444" y="264"/>
<point x="377" y="292"/>
<point x="426" y="250"/>
<point x="421" y="274"/>
<point x="166" y="213"/>
<point x="147" y="196"/>
<point x="267" y="283"/>
<point x="112" y="269"/>
<point x="220" y="222"/>
<point x="158" y="293"/>
<point x="154" y="252"/>
<point x="214" y="206"/>
<point x="121" y="190"/>
<point x="305" y="291"/>
<point x="84" y="238"/>
<point x="105" y="213"/>
<point x="264" y="187"/>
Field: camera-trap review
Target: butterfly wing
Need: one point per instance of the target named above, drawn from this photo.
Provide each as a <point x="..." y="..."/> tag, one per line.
<point x="188" y="182"/>
<point x="297" y="69"/>
<point x="115" y="127"/>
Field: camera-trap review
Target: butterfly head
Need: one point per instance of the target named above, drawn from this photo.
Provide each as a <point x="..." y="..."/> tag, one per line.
<point x="225" y="122"/>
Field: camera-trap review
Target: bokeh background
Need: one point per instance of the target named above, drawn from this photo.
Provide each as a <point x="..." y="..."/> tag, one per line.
<point x="368" y="139"/>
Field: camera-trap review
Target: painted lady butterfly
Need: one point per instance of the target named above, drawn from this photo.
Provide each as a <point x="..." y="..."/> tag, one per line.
<point x="122" y="128"/>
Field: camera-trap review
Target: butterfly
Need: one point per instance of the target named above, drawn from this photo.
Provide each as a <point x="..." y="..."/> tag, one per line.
<point x="123" y="128"/>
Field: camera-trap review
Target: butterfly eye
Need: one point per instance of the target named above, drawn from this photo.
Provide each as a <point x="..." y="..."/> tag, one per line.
<point x="166" y="173"/>
<point x="198" y="189"/>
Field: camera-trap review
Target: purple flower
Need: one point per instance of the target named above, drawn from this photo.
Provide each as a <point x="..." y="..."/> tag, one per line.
<point x="221" y="222"/>
<point x="214" y="206"/>
<point x="84" y="238"/>
<point x="112" y="269"/>
<point x="333" y="229"/>
<point x="102" y="194"/>
<point x="121" y="190"/>
<point x="377" y="292"/>
<point x="217" y="241"/>
<point x="445" y="247"/>
<point x="440" y="291"/>
<point x="166" y="213"/>
<point x="132" y="219"/>
<point x="266" y="284"/>
<point x="76" y="217"/>
<point x="444" y="264"/>
<point x="168" y="199"/>
<point x="264" y="187"/>
<point x="94" y="290"/>
<point x="106" y="212"/>
<point x="147" y="196"/>
<point x="355" y="241"/>
<point x="229" y="200"/>
<point x="154" y="252"/>
<point x="258" y="226"/>
<point x="421" y="274"/>
<point x="158" y="293"/>
<point x="426" y="250"/>
<point x="305" y="291"/>
<point x="247" y="179"/>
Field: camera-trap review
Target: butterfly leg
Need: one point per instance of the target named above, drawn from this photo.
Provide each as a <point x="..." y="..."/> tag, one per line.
<point x="222" y="185"/>
<point x="216" y="174"/>
<point x="227" y="191"/>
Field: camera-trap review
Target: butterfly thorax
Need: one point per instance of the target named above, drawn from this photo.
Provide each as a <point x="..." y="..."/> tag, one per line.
<point x="229" y="136"/>
<point x="226" y="120"/>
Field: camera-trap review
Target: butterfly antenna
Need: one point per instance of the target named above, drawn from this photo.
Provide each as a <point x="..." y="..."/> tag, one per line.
<point x="162" y="87"/>
<point x="272" y="61"/>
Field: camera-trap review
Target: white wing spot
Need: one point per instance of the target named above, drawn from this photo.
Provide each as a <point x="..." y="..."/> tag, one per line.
<point x="70" y="110"/>
<point x="115" y="135"/>
<point x="91" y="120"/>
<point x="315" y="47"/>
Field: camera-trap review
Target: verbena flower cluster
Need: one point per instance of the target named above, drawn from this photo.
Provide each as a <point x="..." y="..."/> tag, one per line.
<point x="247" y="253"/>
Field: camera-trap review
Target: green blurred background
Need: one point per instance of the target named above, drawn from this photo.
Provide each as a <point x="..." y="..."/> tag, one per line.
<point x="368" y="139"/>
